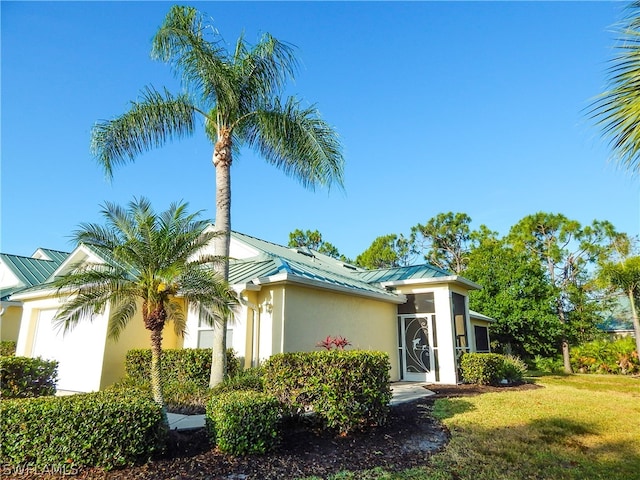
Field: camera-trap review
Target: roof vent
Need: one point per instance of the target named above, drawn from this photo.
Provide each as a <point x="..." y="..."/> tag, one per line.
<point x="306" y="252"/>
<point x="350" y="267"/>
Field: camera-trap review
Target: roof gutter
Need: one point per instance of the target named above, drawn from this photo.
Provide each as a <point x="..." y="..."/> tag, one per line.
<point x="456" y="279"/>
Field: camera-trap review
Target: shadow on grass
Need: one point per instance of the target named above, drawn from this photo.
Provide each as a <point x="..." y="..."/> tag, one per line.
<point x="451" y="407"/>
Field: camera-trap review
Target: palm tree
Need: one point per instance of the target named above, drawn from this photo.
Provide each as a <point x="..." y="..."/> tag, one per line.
<point x="237" y="95"/>
<point x="153" y="263"/>
<point x="617" y="110"/>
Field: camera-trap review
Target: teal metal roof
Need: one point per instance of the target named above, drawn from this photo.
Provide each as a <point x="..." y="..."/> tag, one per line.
<point x="31" y="271"/>
<point x="402" y="273"/>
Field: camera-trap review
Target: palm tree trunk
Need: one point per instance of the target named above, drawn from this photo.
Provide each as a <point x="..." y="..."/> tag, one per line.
<point x="156" y="370"/>
<point x="222" y="158"/>
<point x="636" y="321"/>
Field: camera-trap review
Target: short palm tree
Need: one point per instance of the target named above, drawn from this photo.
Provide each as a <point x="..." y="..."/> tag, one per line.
<point x="153" y="266"/>
<point x="617" y="110"/>
<point x="237" y="95"/>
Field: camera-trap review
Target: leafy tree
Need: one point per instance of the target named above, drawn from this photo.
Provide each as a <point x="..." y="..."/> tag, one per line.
<point x="517" y="294"/>
<point x="617" y="110"/>
<point x="387" y="251"/>
<point x="445" y="239"/>
<point x="623" y="274"/>
<point x="567" y="251"/>
<point x="153" y="260"/>
<point x="314" y="241"/>
<point x="237" y="95"/>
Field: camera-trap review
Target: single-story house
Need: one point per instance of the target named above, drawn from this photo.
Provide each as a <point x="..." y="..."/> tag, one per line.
<point x="19" y="273"/>
<point x="290" y="299"/>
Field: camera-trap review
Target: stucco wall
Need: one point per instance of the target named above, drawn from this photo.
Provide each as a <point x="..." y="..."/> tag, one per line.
<point x="310" y="315"/>
<point x="10" y="323"/>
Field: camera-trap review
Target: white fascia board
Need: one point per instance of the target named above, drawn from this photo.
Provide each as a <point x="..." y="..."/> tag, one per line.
<point x="244" y="287"/>
<point x="479" y="316"/>
<point x="72" y="259"/>
<point x="309" y="282"/>
<point x="40" y="293"/>
<point x="457" y="279"/>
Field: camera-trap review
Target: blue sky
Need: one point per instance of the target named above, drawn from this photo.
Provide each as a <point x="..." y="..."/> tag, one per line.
<point x="441" y="106"/>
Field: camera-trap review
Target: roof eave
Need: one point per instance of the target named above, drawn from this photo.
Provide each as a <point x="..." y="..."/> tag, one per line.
<point x="455" y="279"/>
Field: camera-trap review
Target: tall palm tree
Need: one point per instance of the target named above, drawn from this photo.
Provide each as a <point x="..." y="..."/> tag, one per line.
<point x="237" y="95"/>
<point x="153" y="263"/>
<point x="617" y="110"/>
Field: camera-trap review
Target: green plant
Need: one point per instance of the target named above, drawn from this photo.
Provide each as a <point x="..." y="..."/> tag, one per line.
<point x="551" y="365"/>
<point x="346" y="389"/>
<point x="513" y="369"/>
<point x="606" y="356"/>
<point x="242" y="422"/>
<point x="7" y="348"/>
<point x="23" y="377"/>
<point x="249" y="379"/>
<point x="481" y="368"/>
<point x="103" y="429"/>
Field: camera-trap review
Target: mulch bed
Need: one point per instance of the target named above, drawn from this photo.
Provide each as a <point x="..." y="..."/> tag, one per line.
<point x="410" y="436"/>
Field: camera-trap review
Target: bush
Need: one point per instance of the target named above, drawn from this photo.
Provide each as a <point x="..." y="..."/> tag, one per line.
<point x="548" y="365"/>
<point x="178" y="365"/>
<point x="23" y="377"/>
<point x="606" y="356"/>
<point x="481" y="368"/>
<point x="103" y="429"/>
<point x="513" y="369"/>
<point x="346" y="389"/>
<point x="7" y="348"/>
<point x="250" y="379"/>
<point x="243" y="422"/>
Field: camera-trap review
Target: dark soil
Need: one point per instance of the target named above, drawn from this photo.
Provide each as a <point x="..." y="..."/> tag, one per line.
<point x="409" y="437"/>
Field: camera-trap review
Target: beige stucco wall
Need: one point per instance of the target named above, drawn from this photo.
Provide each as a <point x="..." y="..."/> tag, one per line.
<point x="303" y="316"/>
<point x="10" y="323"/>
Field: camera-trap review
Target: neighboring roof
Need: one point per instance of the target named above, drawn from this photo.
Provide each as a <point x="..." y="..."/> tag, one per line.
<point x="479" y="316"/>
<point x="31" y="271"/>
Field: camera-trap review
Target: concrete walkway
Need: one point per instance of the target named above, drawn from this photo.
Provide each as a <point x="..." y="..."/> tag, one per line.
<point x="401" y="391"/>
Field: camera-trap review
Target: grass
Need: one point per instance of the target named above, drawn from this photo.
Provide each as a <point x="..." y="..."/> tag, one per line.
<point x="575" y="428"/>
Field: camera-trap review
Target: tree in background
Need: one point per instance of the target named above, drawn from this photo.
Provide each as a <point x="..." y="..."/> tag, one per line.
<point x="445" y="241"/>
<point x="153" y="260"/>
<point x="622" y="273"/>
<point x="517" y="294"/>
<point x="387" y="251"/>
<point x="237" y="96"/>
<point x="314" y="241"/>
<point x="617" y="110"/>
<point x="567" y="251"/>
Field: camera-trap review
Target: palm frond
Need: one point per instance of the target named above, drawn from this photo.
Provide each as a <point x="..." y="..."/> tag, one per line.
<point x="120" y="317"/>
<point x="299" y="142"/>
<point x="149" y="123"/>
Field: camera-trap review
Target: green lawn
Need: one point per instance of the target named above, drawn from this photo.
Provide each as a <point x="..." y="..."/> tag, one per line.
<point x="579" y="427"/>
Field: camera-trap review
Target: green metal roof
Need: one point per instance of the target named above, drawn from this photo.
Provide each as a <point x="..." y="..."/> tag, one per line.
<point x="403" y="273"/>
<point x="31" y="271"/>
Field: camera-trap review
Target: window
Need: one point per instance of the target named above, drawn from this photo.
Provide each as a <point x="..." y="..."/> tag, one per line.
<point x="482" y="338"/>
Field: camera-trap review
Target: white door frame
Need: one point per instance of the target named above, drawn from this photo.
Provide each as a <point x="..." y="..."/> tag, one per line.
<point x="417" y="354"/>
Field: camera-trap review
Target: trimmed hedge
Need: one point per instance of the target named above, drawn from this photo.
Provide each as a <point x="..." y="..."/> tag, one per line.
<point x="7" y="348"/>
<point x="178" y="365"/>
<point x="348" y="390"/>
<point x="23" y="377"/>
<point x="481" y="368"/>
<point x="103" y="429"/>
<point x="243" y="422"/>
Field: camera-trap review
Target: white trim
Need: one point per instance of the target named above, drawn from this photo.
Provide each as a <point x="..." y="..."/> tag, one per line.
<point x="434" y="280"/>
<point x="295" y="279"/>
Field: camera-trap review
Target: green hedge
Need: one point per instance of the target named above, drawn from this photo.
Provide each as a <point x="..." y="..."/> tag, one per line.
<point x="102" y="429"/>
<point x="242" y="422"/>
<point x="23" y="377"/>
<point x="481" y="368"/>
<point x="7" y="348"/>
<point x="178" y="365"/>
<point x="606" y="356"/>
<point x="346" y="389"/>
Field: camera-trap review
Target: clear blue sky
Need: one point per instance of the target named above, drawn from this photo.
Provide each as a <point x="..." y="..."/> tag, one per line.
<point x="465" y="107"/>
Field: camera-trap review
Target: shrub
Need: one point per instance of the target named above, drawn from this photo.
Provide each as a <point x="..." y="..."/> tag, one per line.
<point x="103" y="429"/>
<point x="7" y="348"/>
<point x="513" y="369"/>
<point x="606" y="356"/>
<point x="23" y="377"/>
<point x="548" y="364"/>
<point x="481" y="368"/>
<point x="346" y="389"/>
<point x="242" y="422"/>
<point x="178" y="365"/>
<point x="250" y="379"/>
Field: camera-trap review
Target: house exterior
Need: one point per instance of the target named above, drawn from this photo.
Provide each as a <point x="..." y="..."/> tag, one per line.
<point x="290" y="299"/>
<point x="20" y="273"/>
